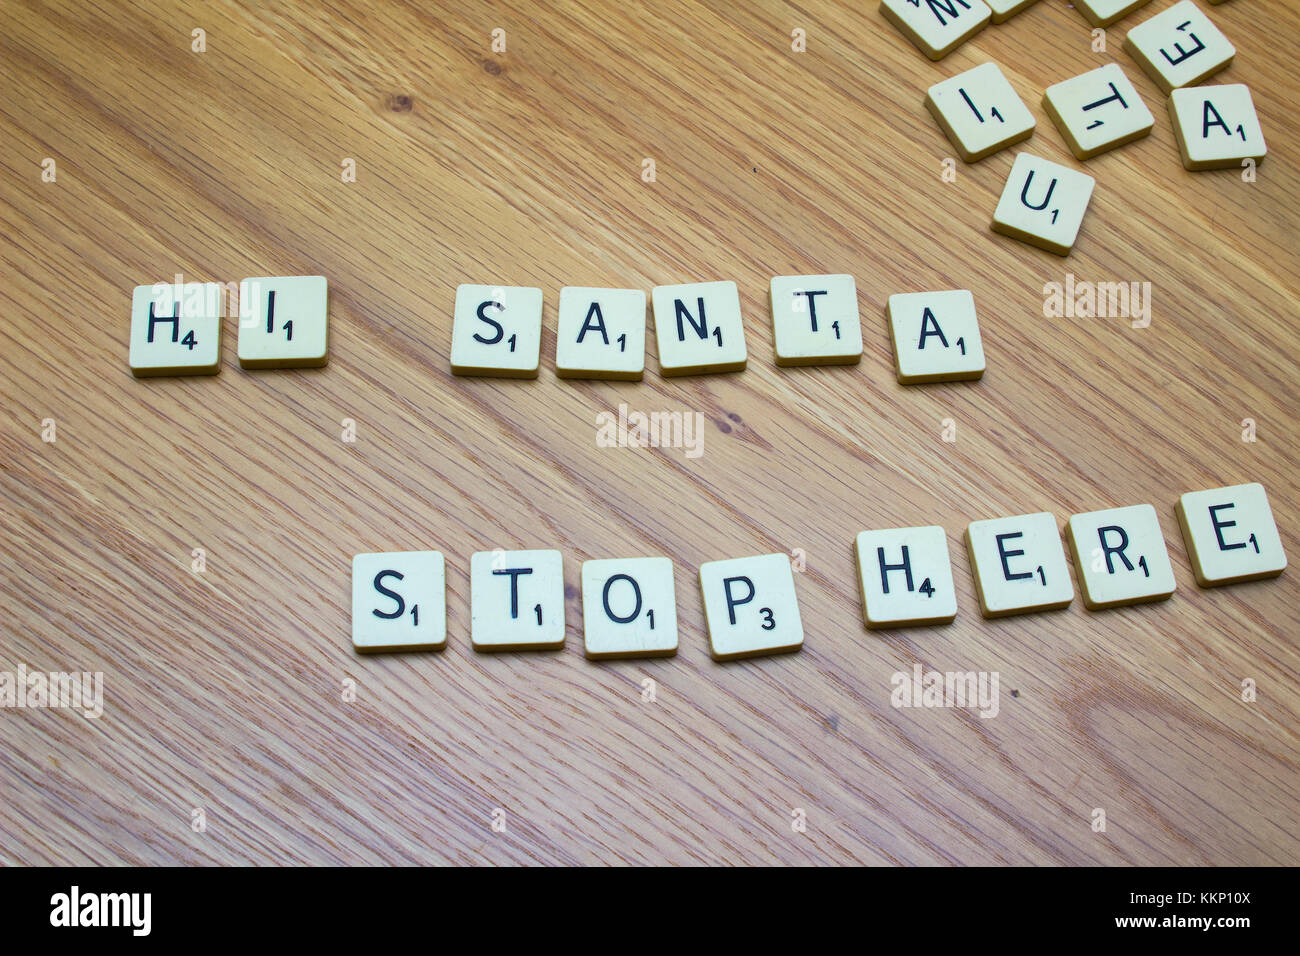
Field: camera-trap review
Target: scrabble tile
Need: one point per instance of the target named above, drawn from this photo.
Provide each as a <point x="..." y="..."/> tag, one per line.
<point x="937" y="27"/>
<point x="936" y="336"/>
<point x="1102" y="13"/>
<point x="750" y="606"/>
<point x="1179" y="47"/>
<point x="1120" y="557"/>
<point x="979" y="112"/>
<point x="516" y="600"/>
<point x="399" y="602"/>
<point x="497" y="331"/>
<point x="1004" y="10"/>
<point x="815" y="320"/>
<point x="283" y="322"/>
<point x="601" y="334"/>
<point x="1043" y="204"/>
<point x="175" y="329"/>
<point x="1019" y="564"/>
<point x="1097" y="111"/>
<point x="629" y="608"/>
<point x="698" y="328"/>
<point x="906" y="577"/>
<point x="1230" y="535"/>
<point x="1216" y="126"/>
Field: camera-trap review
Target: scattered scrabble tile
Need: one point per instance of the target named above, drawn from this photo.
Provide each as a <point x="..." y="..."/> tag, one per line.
<point x="283" y="322"/>
<point x="979" y="112"/>
<point x="698" y="328"/>
<point x="1043" y="204"/>
<point x="1216" y="126"/>
<point x="1231" y="535"/>
<point x="516" y="600"/>
<point x="497" y="331"/>
<point x="399" y="602"/>
<point x="815" y="320"/>
<point x="600" y="334"/>
<point x="1097" y="111"/>
<point x="175" y="329"/>
<point x="1120" y="557"/>
<point x="629" y="608"/>
<point x="936" y="336"/>
<point x="1019" y="564"/>
<point x="750" y="606"/>
<point x="937" y="27"/>
<point x="1179" y="47"/>
<point x="906" y="577"/>
<point x="1102" y="13"/>
<point x="1004" y="10"/>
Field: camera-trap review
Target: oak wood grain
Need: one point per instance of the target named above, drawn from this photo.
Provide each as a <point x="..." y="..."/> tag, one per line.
<point x="224" y="690"/>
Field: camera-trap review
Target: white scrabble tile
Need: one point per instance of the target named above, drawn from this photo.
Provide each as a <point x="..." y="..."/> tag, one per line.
<point x="497" y="331"/>
<point x="1043" y="203"/>
<point x="1216" y="126"/>
<point x="516" y="600"/>
<point x="1019" y="564"/>
<point x="936" y="336"/>
<point x="1097" y="111"/>
<point x="176" y="329"/>
<point x="600" y="334"/>
<point x="1004" y="10"/>
<point x="698" y="328"/>
<point x="937" y="27"/>
<point x="1179" y="47"/>
<point x="979" y="112"/>
<point x="750" y="606"/>
<point x="283" y="322"/>
<point x="815" y="320"/>
<point x="1102" y="13"/>
<point x="906" y="577"/>
<point x="629" y="608"/>
<point x="1120" y="557"/>
<point x="399" y="602"/>
<point x="1231" y="535"/>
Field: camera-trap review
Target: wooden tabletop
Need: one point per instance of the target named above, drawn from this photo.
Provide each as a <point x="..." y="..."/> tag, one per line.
<point x="239" y="725"/>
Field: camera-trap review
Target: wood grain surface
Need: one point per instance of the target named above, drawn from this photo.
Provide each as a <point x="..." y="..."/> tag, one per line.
<point x="226" y="690"/>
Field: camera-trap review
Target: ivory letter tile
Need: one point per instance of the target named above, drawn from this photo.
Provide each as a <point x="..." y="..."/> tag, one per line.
<point x="399" y="602"/>
<point x="1231" y="535"/>
<point x="906" y="577"/>
<point x="750" y="606"/>
<point x="601" y="334"/>
<point x="815" y="320"/>
<point x="979" y="112"/>
<point x="1043" y="204"/>
<point x="283" y="322"/>
<point x="1120" y="557"/>
<point x="516" y="600"/>
<point x="629" y="608"/>
<point x="1216" y="126"/>
<point x="699" y="328"/>
<point x="1179" y="47"/>
<point x="1019" y="564"/>
<point x="497" y="331"/>
<point x="176" y="329"/>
